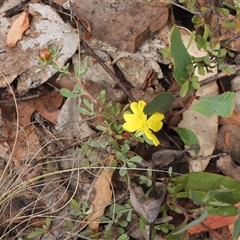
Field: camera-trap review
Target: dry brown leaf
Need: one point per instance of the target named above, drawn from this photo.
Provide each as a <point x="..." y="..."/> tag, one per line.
<point x="16" y="31"/>
<point x="149" y="208"/>
<point x="102" y="199"/>
<point x="234" y="119"/>
<point x="46" y="105"/>
<point x="212" y="222"/>
<point x="227" y="136"/>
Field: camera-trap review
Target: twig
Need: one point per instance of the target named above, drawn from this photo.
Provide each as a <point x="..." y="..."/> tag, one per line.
<point x="218" y="76"/>
<point x="188" y="10"/>
<point x="216" y="17"/>
<point x="112" y="75"/>
<point x="233" y="38"/>
<point x="25" y="98"/>
<point x="213" y="78"/>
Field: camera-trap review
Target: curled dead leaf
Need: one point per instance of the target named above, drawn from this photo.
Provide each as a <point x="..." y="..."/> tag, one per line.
<point x="149" y="209"/>
<point x="227" y="139"/>
<point x="102" y="199"/>
<point x="17" y="29"/>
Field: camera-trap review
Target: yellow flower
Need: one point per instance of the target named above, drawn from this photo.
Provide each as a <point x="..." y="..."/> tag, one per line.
<point x="138" y="122"/>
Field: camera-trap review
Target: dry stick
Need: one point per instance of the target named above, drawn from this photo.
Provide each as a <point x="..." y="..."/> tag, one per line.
<point x="218" y="76"/>
<point x="213" y="78"/>
<point x="215" y="17"/>
<point x="112" y="75"/>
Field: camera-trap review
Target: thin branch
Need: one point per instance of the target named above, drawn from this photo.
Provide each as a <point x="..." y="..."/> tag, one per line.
<point x="218" y="76"/>
<point x="104" y="66"/>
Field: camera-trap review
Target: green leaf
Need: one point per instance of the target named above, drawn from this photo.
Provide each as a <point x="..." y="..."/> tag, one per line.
<point x="195" y="82"/>
<point x="125" y="148"/>
<point x="195" y="198"/>
<point x="48" y="222"/>
<point x="188" y="137"/>
<point x="88" y="104"/>
<point x="123" y="223"/>
<point x="102" y="96"/>
<point x="201" y="70"/>
<point x="181" y="236"/>
<point x="142" y="224"/>
<point x="83" y="111"/>
<point x="136" y="159"/>
<point x="123" y="237"/>
<point x="224" y="210"/>
<point x="194" y="222"/>
<point x="73" y="203"/>
<point x="229" y="25"/>
<point x="84" y="67"/>
<point x="37" y="232"/>
<point x="229" y="70"/>
<point x="205" y="182"/>
<point x="69" y="224"/>
<point x="215" y="192"/>
<point x="67" y="93"/>
<point x="131" y="165"/>
<point x="204" y="9"/>
<point x="218" y="204"/>
<point x="165" y="53"/>
<point x="207" y="60"/>
<point x="221" y="105"/>
<point x="184" y="89"/>
<point x="180" y="56"/>
<point x="123" y="171"/>
<point x="223" y="11"/>
<point x="236" y="229"/>
<point x="207" y="32"/>
<point x="160" y="103"/>
<point x="101" y="128"/>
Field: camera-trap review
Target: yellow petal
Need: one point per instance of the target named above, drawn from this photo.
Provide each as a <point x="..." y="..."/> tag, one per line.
<point x="155" y="121"/>
<point x="137" y="109"/>
<point x="151" y="136"/>
<point x="133" y="123"/>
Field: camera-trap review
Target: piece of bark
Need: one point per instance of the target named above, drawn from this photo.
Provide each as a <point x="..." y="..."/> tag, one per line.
<point x="124" y="26"/>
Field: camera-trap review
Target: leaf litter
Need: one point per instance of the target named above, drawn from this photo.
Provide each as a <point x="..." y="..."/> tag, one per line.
<point x="42" y="123"/>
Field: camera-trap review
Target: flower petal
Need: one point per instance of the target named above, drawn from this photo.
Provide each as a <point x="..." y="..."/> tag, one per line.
<point x="155" y="121"/>
<point x="137" y="109"/>
<point x="133" y="123"/>
<point x="151" y="136"/>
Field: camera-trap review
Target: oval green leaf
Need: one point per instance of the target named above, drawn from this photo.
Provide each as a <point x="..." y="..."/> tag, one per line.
<point x="67" y="93"/>
<point x="222" y="105"/>
<point x="188" y="137"/>
<point x="180" y="56"/>
<point x="161" y="103"/>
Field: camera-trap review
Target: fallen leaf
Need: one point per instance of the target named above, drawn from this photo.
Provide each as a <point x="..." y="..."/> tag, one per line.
<point x="16" y="31"/>
<point x="102" y="199"/>
<point x="212" y="222"/>
<point x="234" y="119"/>
<point x="46" y="105"/>
<point x="227" y="138"/>
<point x="149" y="209"/>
